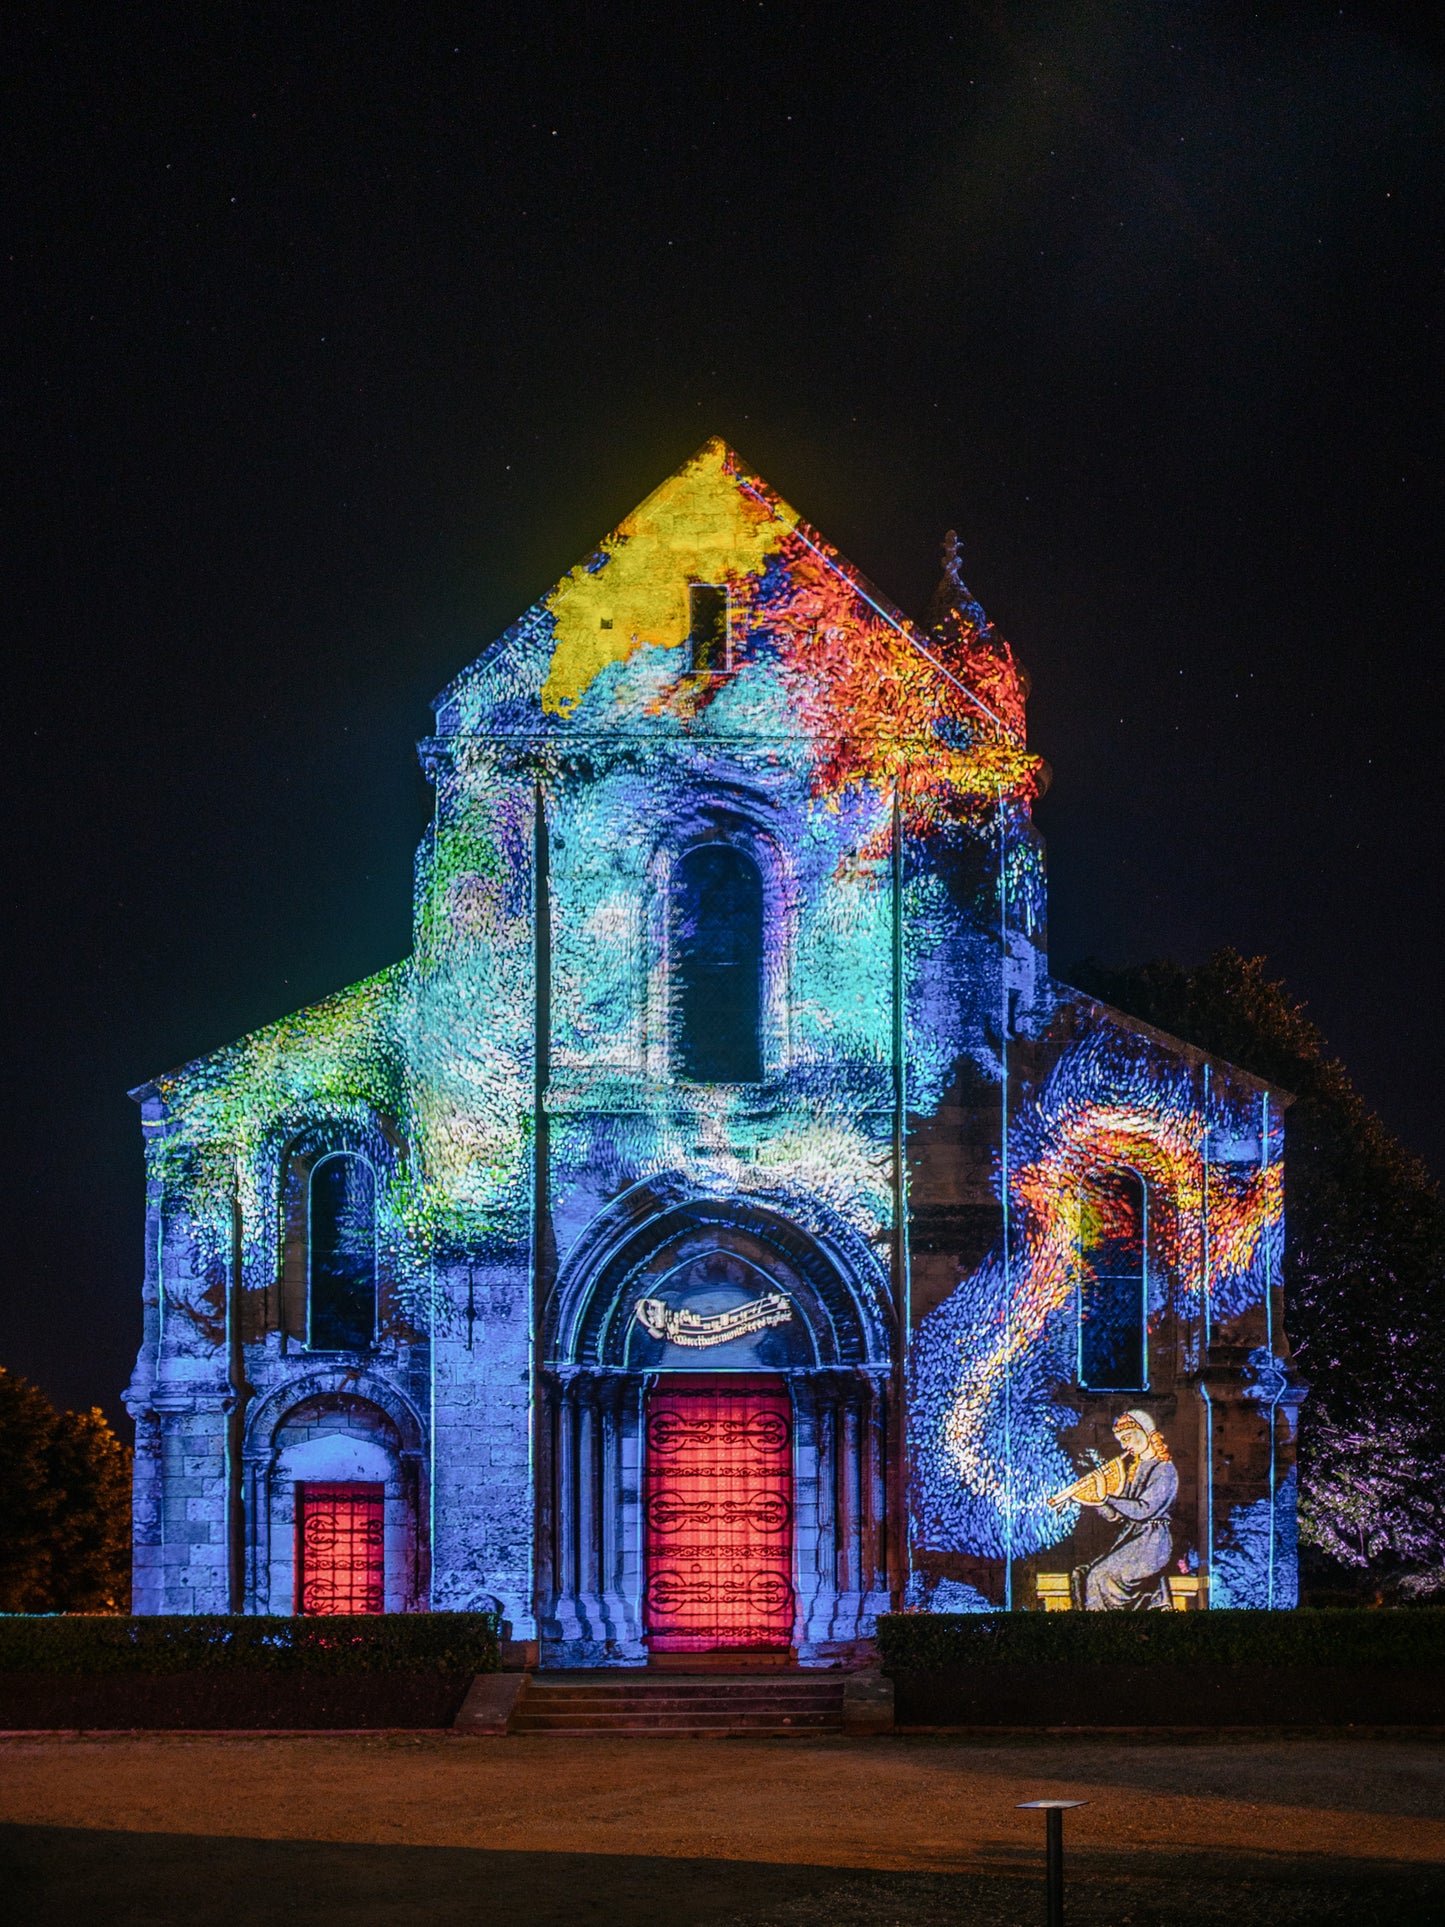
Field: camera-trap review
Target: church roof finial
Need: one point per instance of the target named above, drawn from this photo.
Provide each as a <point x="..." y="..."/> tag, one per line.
<point x="951" y="605"/>
<point x="968" y="641"/>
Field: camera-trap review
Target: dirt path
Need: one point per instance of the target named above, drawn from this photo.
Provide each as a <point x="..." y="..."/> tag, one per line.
<point x="678" y="1831"/>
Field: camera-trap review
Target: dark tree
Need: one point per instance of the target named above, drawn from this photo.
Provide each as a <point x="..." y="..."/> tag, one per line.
<point x="1364" y="1273"/>
<point x="64" y="1507"/>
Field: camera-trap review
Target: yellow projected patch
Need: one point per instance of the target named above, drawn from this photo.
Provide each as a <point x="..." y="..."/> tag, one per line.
<point x="700" y="526"/>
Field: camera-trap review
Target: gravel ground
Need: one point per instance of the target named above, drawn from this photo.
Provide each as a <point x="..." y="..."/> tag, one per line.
<point x="939" y="1901"/>
<point x="372" y="1830"/>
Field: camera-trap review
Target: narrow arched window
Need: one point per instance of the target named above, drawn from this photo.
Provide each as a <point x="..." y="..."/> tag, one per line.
<point x="341" y="1254"/>
<point x="707" y="638"/>
<point x="1113" y="1292"/>
<point x="717" y="934"/>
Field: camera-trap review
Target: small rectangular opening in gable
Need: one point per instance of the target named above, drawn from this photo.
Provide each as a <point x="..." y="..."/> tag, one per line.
<point x="708" y="628"/>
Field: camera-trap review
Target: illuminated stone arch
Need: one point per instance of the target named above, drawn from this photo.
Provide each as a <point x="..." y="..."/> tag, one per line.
<point x="734" y="817"/>
<point x="832" y="1348"/>
<point x="295" y="1154"/>
<point x="826" y="1270"/>
<point x="334" y="1424"/>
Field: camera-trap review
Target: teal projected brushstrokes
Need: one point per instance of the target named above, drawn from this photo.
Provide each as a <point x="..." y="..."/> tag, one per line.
<point x="727" y="1009"/>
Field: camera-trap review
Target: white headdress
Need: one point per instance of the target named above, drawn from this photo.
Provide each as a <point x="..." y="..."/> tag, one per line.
<point x="1141" y="1419"/>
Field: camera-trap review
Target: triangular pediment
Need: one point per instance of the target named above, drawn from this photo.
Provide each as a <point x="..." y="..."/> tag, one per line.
<point x="711" y="521"/>
<point x="807" y="647"/>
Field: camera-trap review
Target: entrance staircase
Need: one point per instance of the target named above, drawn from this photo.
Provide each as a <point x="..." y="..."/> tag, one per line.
<point x="685" y="1705"/>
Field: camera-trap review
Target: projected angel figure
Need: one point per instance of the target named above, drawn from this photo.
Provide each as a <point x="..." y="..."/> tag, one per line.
<point x="1138" y="1488"/>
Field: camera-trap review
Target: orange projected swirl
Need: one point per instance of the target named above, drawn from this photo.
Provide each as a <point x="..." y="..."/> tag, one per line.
<point x="718" y="1505"/>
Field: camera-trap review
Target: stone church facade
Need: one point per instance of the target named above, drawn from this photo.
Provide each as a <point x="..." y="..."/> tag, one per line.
<point x="721" y="1228"/>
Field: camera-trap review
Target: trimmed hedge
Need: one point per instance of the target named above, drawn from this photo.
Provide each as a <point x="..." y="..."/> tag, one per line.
<point x="100" y="1644"/>
<point x="225" y="1698"/>
<point x="1328" y="1636"/>
<point x="1194" y="1696"/>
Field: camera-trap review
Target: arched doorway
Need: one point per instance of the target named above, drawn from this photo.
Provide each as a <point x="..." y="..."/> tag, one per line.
<point x="334" y="1478"/>
<point x="718" y="1515"/>
<point x="715" y="1432"/>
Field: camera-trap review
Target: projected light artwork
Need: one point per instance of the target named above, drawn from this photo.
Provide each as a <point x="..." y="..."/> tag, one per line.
<point x="726" y="1086"/>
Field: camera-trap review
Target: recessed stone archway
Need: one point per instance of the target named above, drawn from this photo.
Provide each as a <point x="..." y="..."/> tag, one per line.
<point x="333" y="1426"/>
<point x="669" y="1283"/>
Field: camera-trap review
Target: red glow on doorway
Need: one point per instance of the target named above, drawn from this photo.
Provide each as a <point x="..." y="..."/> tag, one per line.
<point x="718" y="1504"/>
<point x="340" y="1551"/>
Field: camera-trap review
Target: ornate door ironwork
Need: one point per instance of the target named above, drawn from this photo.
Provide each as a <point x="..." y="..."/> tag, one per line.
<point x="340" y="1548"/>
<point x="718" y="1506"/>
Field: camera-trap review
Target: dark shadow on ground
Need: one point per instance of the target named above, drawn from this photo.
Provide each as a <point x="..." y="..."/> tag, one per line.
<point x="59" y="1876"/>
<point x="1382" y="1774"/>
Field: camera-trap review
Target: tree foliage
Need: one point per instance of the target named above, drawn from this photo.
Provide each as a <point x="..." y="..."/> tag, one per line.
<point x="64" y="1507"/>
<point x="1364" y="1269"/>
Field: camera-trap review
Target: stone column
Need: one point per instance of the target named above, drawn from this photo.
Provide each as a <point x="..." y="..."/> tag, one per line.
<point x="875" y="1552"/>
<point x="610" y="1521"/>
<point x="588" y="1547"/>
<point x="825" y="1429"/>
<point x="564" y="1490"/>
<point x="849" y="1524"/>
<point x="148" y="1498"/>
<point x="632" y="1398"/>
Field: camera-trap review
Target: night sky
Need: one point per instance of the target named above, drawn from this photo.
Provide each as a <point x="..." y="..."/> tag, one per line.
<point x="337" y="334"/>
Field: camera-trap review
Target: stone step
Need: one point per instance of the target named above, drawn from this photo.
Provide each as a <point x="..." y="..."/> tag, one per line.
<point x="721" y="1709"/>
<point x="619" y="1729"/>
<point x="525" y="1722"/>
<point x="699" y="1676"/>
<point x="641" y="1696"/>
<point x="634" y="1702"/>
<point x="572" y="1695"/>
<point x="602" y="1709"/>
<point x="663" y="1702"/>
<point x="669" y="1682"/>
<point x="741" y="1689"/>
<point x="696" y="1709"/>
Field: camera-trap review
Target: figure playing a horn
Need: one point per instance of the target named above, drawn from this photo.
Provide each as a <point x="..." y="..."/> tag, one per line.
<point x="1138" y="1489"/>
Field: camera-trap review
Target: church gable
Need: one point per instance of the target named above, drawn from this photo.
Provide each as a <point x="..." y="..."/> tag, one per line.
<point x="709" y="526"/>
<point x="714" y="611"/>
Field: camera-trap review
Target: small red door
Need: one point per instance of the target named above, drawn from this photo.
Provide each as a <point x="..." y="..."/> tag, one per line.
<point x="718" y="1508"/>
<point x="340" y="1549"/>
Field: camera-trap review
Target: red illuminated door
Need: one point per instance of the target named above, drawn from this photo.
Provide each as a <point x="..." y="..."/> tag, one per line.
<point x="340" y="1554"/>
<point x="718" y="1506"/>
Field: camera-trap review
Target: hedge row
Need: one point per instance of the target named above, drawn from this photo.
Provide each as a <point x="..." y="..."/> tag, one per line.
<point x="1330" y="1636"/>
<point x="72" y="1643"/>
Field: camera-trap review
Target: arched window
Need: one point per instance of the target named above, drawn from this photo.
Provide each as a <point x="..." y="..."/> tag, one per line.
<point x="341" y="1254"/>
<point x="717" y="933"/>
<point x="1113" y="1295"/>
<point x="708" y="629"/>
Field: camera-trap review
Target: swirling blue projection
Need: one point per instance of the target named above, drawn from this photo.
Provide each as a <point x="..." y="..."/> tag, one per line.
<point x="724" y="1108"/>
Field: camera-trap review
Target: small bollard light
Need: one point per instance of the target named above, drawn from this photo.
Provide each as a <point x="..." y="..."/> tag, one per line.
<point x="1053" y="1812"/>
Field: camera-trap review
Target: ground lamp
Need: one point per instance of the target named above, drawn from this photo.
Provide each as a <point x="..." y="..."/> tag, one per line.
<point x="1053" y="1812"/>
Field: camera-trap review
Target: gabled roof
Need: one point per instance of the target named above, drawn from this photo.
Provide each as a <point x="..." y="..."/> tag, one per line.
<point x="1192" y="1053"/>
<point x="714" y="520"/>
